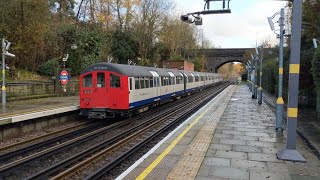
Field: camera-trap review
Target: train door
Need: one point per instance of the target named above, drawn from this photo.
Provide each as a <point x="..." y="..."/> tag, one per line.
<point x="156" y="81"/>
<point x="173" y="81"/>
<point x="185" y="81"/>
<point x="100" y="89"/>
<point x="86" y="91"/>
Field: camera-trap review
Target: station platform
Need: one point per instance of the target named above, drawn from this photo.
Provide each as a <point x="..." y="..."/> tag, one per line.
<point x="232" y="137"/>
<point x="20" y="110"/>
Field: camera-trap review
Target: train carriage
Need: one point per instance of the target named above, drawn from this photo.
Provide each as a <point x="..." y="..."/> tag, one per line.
<point x="107" y="89"/>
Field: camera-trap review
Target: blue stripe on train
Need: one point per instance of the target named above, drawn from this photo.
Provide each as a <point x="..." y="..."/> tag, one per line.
<point x="151" y="100"/>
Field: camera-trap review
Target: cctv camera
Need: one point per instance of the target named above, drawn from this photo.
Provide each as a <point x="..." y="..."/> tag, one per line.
<point x="8" y="45"/>
<point x="9" y="54"/>
<point x="186" y="18"/>
<point x="198" y="21"/>
<point x="271" y="23"/>
<point x="315" y="45"/>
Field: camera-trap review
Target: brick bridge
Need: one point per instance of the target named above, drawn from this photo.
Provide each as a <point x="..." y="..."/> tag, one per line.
<point x="218" y="57"/>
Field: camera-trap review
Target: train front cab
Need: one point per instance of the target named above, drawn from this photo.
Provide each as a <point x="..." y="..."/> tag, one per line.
<point x="102" y="94"/>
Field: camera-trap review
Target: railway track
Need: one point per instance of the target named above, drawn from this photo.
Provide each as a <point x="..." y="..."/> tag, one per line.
<point x="135" y="141"/>
<point x="113" y="149"/>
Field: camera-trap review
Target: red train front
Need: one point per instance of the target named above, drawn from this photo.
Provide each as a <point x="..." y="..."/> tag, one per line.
<point x="103" y="92"/>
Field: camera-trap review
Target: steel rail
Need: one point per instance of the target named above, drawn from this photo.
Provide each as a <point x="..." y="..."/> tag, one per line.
<point x="30" y="159"/>
<point x="106" y="168"/>
<point x="12" y="146"/>
<point x="22" y="151"/>
<point x="68" y="162"/>
<point x="88" y="161"/>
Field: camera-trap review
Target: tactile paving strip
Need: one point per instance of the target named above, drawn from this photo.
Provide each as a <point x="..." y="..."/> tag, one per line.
<point x="192" y="158"/>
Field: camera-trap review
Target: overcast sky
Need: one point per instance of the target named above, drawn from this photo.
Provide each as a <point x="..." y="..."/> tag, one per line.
<point x="246" y="25"/>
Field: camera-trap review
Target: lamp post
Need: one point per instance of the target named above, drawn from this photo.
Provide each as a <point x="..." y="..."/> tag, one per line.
<point x="5" y="47"/>
<point x="290" y="153"/>
<point x="280" y="102"/>
<point x="260" y="77"/>
<point x="254" y="76"/>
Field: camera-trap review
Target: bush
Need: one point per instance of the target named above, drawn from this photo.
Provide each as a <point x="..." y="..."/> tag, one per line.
<point x="88" y="60"/>
<point x="48" y="67"/>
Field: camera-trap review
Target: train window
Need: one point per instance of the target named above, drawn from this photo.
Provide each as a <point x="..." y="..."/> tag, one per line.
<point x="146" y="80"/>
<point x="137" y="83"/>
<point x="142" y="84"/>
<point x="130" y="79"/>
<point x="196" y="78"/>
<point x="100" y="80"/>
<point x="173" y="81"/>
<point x="179" y="80"/>
<point x="158" y="81"/>
<point x="169" y="81"/>
<point x="151" y="82"/>
<point x="114" y="81"/>
<point x="162" y="81"/>
<point x="87" y="81"/>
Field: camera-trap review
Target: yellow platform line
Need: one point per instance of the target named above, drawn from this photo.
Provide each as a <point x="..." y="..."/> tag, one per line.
<point x="145" y="173"/>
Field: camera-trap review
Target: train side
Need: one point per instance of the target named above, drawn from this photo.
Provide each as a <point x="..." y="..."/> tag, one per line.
<point x="108" y="89"/>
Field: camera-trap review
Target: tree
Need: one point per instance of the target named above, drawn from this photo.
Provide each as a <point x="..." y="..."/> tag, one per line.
<point x="316" y="78"/>
<point x="123" y="47"/>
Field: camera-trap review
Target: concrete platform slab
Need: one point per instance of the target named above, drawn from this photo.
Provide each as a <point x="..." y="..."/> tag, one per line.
<point x="239" y="144"/>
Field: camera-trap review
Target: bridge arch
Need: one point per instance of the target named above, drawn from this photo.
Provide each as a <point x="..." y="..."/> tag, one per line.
<point x="226" y="62"/>
<point x="218" y="57"/>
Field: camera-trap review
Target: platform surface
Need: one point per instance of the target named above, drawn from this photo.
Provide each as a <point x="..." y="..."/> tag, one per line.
<point x="24" y="109"/>
<point x="232" y="137"/>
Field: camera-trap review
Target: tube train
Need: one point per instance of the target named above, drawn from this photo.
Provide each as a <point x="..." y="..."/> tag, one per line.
<point x="108" y="89"/>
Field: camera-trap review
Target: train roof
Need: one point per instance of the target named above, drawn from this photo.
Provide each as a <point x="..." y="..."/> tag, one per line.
<point x="135" y="71"/>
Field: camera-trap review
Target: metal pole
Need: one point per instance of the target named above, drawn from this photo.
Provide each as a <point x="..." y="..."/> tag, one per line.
<point x="260" y="84"/>
<point x="3" y="89"/>
<point x="253" y="80"/>
<point x="280" y="102"/>
<point x="290" y="153"/>
<point x="256" y="79"/>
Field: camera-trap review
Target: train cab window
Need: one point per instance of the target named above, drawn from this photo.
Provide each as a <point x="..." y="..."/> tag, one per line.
<point x="142" y="84"/>
<point x="100" y="80"/>
<point x="87" y="81"/>
<point x="146" y="80"/>
<point x="130" y="80"/>
<point x="137" y="83"/>
<point x="151" y="82"/>
<point x="114" y="81"/>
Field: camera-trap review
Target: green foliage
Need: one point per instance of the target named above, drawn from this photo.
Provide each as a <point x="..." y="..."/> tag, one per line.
<point x="269" y="75"/>
<point x="176" y="57"/>
<point x="123" y="47"/>
<point x="48" y="67"/>
<point x="316" y="68"/>
<point x="88" y="60"/>
<point x="197" y="64"/>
